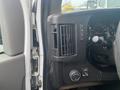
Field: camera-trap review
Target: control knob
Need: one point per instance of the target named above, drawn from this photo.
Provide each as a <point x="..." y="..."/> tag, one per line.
<point x="75" y="75"/>
<point x="95" y="39"/>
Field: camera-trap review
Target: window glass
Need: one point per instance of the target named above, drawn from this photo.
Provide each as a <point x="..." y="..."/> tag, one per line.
<point x="80" y="5"/>
<point x="1" y="44"/>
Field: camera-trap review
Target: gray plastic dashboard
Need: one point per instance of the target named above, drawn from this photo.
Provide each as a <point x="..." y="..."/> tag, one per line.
<point x="67" y="45"/>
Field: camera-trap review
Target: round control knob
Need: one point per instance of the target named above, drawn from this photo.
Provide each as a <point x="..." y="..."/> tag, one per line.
<point x="75" y="75"/>
<point x="95" y="39"/>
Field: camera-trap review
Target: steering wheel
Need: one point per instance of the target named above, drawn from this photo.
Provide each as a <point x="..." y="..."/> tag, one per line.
<point x="117" y="49"/>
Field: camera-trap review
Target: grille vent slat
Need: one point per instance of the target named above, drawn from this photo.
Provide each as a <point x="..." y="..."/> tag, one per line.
<point x="66" y="40"/>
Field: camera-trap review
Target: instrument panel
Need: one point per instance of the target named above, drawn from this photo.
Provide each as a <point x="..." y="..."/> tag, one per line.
<point x="106" y="26"/>
<point x="101" y="34"/>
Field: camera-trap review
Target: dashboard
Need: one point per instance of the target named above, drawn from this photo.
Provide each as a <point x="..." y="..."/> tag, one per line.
<point x="80" y="47"/>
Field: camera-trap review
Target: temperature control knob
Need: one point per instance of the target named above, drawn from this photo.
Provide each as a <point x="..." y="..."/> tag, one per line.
<point x="75" y="75"/>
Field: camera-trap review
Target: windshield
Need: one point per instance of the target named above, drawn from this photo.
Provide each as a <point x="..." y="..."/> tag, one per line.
<point x="80" y="5"/>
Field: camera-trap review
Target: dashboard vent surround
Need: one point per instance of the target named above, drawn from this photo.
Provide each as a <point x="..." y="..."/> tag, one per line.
<point x="64" y="39"/>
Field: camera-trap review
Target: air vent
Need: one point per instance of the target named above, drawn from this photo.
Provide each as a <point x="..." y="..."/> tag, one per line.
<point x="64" y="39"/>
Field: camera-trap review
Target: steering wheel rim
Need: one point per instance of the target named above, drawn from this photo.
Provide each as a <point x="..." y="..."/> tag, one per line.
<point x="117" y="50"/>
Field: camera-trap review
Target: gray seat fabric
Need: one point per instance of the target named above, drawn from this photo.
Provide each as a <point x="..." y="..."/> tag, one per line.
<point x="117" y="49"/>
<point x="12" y="26"/>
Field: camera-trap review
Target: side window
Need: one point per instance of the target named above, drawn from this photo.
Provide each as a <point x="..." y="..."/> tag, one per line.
<point x="1" y="44"/>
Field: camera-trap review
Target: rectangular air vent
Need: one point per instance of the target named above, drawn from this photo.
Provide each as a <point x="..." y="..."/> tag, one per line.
<point x="64" y="39"/>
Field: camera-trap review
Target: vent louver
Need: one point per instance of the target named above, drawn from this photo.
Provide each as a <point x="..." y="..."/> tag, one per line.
<point x="64" y="39"/>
